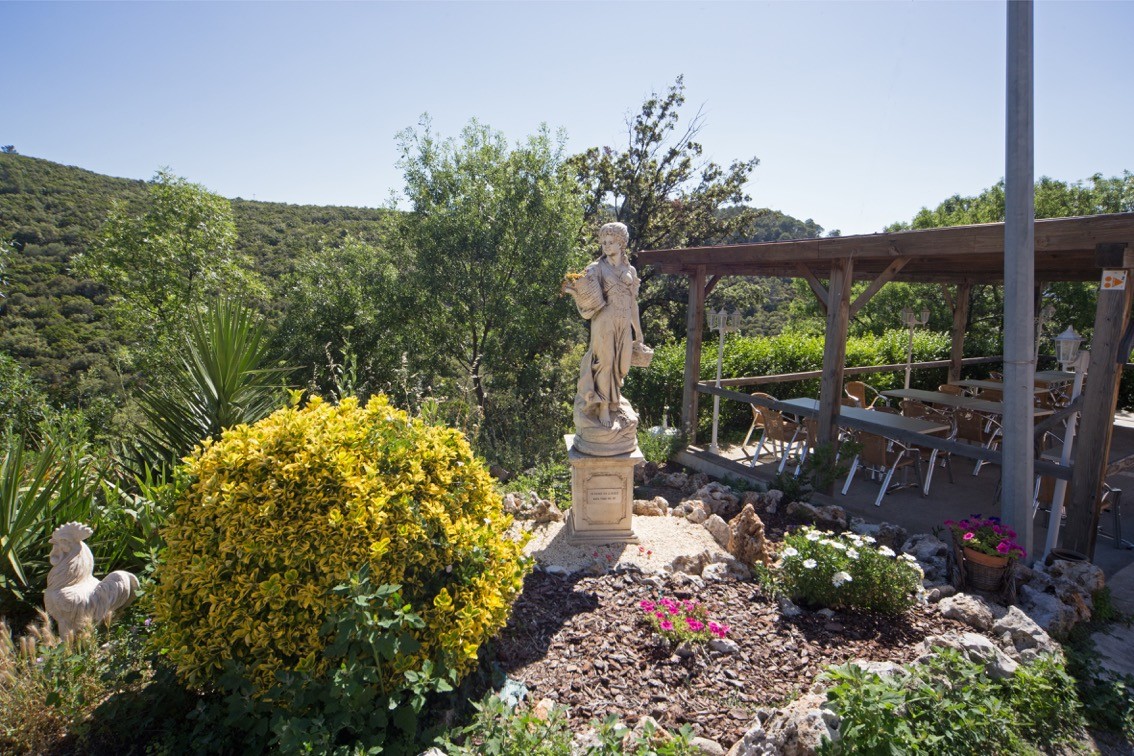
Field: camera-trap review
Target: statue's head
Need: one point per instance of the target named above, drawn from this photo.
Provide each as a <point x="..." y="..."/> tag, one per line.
<point x="616" y="231"/>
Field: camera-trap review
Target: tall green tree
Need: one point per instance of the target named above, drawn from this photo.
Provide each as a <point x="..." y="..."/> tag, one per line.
<point x="493" y="229"/>
<point x="165" y="262"/>
<point x="668" y="195"/>
<point x="346" y="314"/>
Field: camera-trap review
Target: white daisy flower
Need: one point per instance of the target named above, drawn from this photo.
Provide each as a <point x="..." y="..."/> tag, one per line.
<point x="886" y="551"/>
<point x="835" y="545"/>
<point x="852" y="553"/>
<point x="813" y="536"/>
<point x="868" y="539"/>
<point x="790" y="552"/>
<point x="908" y="557"/>
<point x="840" y="578"/>
<point x="810" y="564"/>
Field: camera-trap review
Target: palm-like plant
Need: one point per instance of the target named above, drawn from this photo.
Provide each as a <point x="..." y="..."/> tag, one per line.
<point x="222" y="381"/>
<point x="38" y="492"/>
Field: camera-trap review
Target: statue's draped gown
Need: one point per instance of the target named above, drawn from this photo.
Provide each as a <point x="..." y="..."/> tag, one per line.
<point x="612" y="336"/>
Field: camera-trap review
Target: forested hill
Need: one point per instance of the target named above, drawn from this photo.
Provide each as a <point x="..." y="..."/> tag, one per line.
<point x="54" y="324"/>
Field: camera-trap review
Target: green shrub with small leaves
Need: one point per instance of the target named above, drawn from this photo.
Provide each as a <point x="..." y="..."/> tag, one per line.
<point x="280" y="512"/>
<point x="847" y="571"/>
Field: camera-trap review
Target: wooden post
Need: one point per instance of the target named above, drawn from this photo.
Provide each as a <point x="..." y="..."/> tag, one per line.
<point x="960" y="324"/>
<point x="694" y="326"/>
<point x="1100" y="396"/>
<point x="835" y="348"/>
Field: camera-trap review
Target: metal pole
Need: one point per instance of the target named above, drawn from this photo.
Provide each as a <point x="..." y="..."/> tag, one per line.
<point x="716" y="399"/>
<point x="1060" y="490"/>
<point x="1019" y="275"/>
<point x="909" y="355"/>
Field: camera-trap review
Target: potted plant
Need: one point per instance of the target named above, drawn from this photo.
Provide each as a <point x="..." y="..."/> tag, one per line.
<point x="987" y="547"/>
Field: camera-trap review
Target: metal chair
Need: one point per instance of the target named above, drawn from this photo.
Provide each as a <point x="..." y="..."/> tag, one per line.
<point x="857" y="390"/>
<point x="914" y="408"/>
<point x="777" y="432"/>
<point x="882" y="456"/>
<point x="757" y="418"/>
<point x="974" y="428"/>
<point x="949" y="388"/>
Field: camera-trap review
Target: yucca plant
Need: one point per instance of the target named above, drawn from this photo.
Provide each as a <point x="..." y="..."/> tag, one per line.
<point x="38" y="492"/>
<point x="223" y="380"/>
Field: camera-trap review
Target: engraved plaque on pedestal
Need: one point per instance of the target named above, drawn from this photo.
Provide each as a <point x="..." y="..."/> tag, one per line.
<point x="602" y="497"/>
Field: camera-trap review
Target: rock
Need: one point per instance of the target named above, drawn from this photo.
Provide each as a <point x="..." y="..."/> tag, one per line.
<point x="885" y="534"/>
<point x="940" y="592"/>
<point x="1047" y="611"/>
<point x="695" y="481"/>
<point x="1027" y="639"/>
<point x="499" y="473"/>
<point x="684" y="650"/>
<point x="721" y="500"/>
<point x="882" y="669"/>
<point x="684" y="579"/>
<point x="773" y="500"/>
<point x="724" y="645"/>
<point x="698" y="515"/>
<point x="930" y="553"/>
<point x="655" y="507"/>
<point x="558" y="570"/>
<point x="543" y="709"/>
<point x="1083" y="574"/>
<point x="976" y="648"/>
<point x="829" y="517"/>
<point x="757" y="499"/>
<point x="728" y="569"/>
<point x="971" y="610"/>
<point x="797" y="729"/>
<point x="718" y="529"/>
<point x="707" y="747"/>
<point x="544" y="510"/>
<point x="691" y="564"/>
<point x="746" y="541"/>
<point x="676" y="480"/>
<point x="649" y="470"/>
<point x="789" y="609"/>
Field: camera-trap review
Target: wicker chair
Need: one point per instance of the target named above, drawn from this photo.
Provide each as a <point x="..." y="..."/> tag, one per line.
<point x="781" y="433"/>
<point x="975" y="429"/>
<point x="858" y="391"/>
<point x="914" y="408"/>
<point x="882" y="456"/>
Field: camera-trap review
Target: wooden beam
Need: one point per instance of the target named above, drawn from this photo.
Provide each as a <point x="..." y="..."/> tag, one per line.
<point x="813" y="282"/>
<point x="835" y="351"/>
<point x="960" y="326"/>
<point x="712" y="284"/>
<point x="694" y="324"/>
<point x="1100" y="398"/>
<point x="884" y="278"/>
<point x="948" y="296"/>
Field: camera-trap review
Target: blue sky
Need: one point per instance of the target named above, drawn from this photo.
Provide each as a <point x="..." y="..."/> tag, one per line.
<point x="860" y="112"/>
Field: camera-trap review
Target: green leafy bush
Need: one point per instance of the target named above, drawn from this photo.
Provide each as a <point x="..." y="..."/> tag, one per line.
<point x="280" y="512"/>
<point x="847" y="571"/>
<point x="658" y="447"/>
<point x="949" y="705"/>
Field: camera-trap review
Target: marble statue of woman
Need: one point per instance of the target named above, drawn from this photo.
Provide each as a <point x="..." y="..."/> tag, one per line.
<point x="607" y="295"/>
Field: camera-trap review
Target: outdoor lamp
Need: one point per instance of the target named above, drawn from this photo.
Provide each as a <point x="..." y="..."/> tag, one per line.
<point x="912" y="321"/>
<point x="1067" y="344"/>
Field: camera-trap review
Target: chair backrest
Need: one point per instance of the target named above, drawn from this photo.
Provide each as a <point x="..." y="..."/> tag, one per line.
<point x="992" y="395"/>
<point x="857" y="390"/>
<point x="775" y="425"/>
<point x="949" y="388"/>
<point x="970" y="426"/>
<point x="757" y="415"/>
<point x="849" y="401"/>
<point x="885" y="409"/>
<point x="873" y="449"/>
<point x="914" y="408"/>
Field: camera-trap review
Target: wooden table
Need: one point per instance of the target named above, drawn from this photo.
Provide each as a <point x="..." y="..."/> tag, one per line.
<point x="1054" y="377"/>
<point x="940" y="398"/>
<point x="883" y="419"/>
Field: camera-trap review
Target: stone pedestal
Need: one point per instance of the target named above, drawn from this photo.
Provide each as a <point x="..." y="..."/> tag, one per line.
<point x="602" y="496"/>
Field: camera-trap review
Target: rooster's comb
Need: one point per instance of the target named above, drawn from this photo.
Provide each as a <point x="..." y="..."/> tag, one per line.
<point x="71" y="531"/>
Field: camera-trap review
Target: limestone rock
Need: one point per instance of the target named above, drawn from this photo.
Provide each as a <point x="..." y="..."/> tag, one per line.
<point x="829" y="517"/>
<point x="882" y="669"/>
<point x="798" y="729"/>
<point x="691" y="564"/>
<point x="1027" y="639"/>
<point x="649" y="470"/>
<point x="1085" y="576"/>
<point x="724" y="645"/>
<point x="788" y="608"/>
<point x="930" y="553"/>
<point x="718" y="529"/>
<point x="1047" y="611"/>
<point x="773" y="500"/>
<point x="694" y="482"/>
<point x="721" y="500"/>
<point x="698" y="515"/>
<point x="707" y="747"/>
<point x="971" y="610"/>
<point x="942" y="591"/>
<point x="726" y="569"/>
<point x="885" y="534"/>
<point x="655" y="507"/>
<point x="746" y="541"/>
<point x="976" y="648"/>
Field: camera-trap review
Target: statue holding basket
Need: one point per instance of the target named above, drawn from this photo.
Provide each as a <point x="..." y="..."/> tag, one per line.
<point x="606" y="293"/>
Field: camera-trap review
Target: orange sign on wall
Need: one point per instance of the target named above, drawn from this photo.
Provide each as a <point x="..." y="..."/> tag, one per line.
<point x="1113" y="280"/>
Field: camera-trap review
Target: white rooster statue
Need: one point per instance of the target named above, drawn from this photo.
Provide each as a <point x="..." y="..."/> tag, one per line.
<point x="75" y="598"/>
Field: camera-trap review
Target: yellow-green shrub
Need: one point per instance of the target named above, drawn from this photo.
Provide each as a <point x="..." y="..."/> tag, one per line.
<point x="282" y="511"/>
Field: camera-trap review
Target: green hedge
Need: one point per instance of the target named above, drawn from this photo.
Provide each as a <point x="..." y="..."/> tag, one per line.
<point x="652" y="389"/>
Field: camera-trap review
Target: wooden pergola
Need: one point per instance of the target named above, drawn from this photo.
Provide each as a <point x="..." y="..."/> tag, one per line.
<point x="957" y="258"/>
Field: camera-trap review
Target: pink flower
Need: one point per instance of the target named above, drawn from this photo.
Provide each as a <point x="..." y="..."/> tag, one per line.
<point x="694" y="624"/>
<point x="660" y="614"/>
<point x="1003" y="547"/>
<point x="718" y="630"/>
<point x="647" y="606"/>
<point x="666" y="625"/>
<point x="689" y="605"/>
<point x="969" y="536"/>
